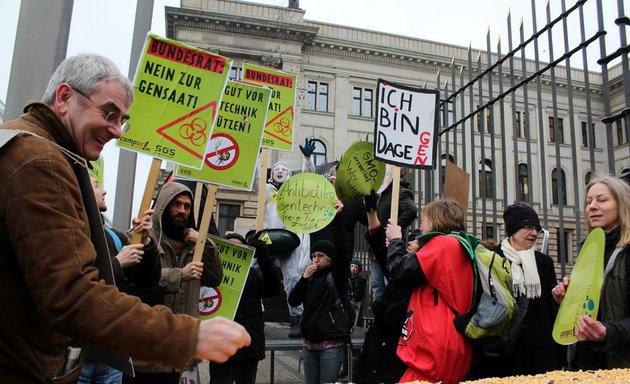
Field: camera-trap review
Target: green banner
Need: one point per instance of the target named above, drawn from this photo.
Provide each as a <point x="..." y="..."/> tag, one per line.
<point x="359" y="172"/>
<point x="223" y="300"/>
<point x="177" y="93"/>
<point x="583" y="292"/>
<point x="281" y="119"/>
<point x="98" y="171"/>
<point x="305" y="202"/>
<point x="235" y="140"/>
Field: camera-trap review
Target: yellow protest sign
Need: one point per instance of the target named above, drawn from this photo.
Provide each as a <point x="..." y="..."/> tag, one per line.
<point x="98" y="170"/>
<point x="177" y="92"/>
<point x="305" y="202"/>
<point x="280" y="120"/>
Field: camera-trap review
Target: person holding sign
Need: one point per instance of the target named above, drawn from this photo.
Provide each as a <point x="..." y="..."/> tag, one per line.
<point x="603" y="343"/>
<point x="52" y="242"/>
<point x="533" y="277"/>
<point x="322" y="289"/>
<point x="181" y="277"/>
<point x="292" y="266"/>
<point x="140" y="259"/>
<point x="262" y="281"/>
<point x="439" y="275"/>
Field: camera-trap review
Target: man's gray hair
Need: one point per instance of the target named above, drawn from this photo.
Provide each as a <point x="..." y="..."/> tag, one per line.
<point x="84" y="72"/>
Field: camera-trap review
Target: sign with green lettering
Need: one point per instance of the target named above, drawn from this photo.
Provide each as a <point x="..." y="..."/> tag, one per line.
<point x="177" y="93"/>
<point x="281" y="119"/>
<point x="223" y="300"/>
<point x="359" y="172"/>
<point x="583" y="292"/>
<point x="305" y="202"/>
<point x="406" y="125"/>
<point x="236" y="138"/>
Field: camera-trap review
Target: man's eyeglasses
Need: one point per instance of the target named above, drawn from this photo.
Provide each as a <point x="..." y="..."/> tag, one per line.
<point x="112" y="117"/>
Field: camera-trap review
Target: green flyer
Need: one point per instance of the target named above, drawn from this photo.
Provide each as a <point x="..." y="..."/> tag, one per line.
<point x="223" y="300"/>
<point x="583" y="292"/>
<point x="177" y="92"/>
<point x="98" y="170"/>
<point x="281" y="119"/>
<point x="359" y="172"/>
<point x="305" y="202"/>
<point x="235" y="140"/>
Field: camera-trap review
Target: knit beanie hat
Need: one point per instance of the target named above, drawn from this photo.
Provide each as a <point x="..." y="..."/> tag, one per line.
<point x="358" y="263"/>
<point x="234" y="235"/>
<point x="325" y="247"/>
<point x="519" y="215"/>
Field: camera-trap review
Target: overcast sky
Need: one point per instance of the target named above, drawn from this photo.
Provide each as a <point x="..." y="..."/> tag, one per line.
<point x="106" y="27"/>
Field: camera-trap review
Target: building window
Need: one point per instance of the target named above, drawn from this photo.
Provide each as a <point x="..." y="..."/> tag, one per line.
<point x="489" y="232"/>
<point x="523" y="188"/>
<point x="446" y="114"/>
<point x="362" y="102"/>
<point x="227" y="214"/>
<point x="621" y="132"/>
<point x="587" y="178"/>
<point x="586" y="134"/>
<point x="563" y="246"/>
<point x="317" y="96"/>
<point x="443" y="159"/>
<point x="485" y="179"/>
<point x="236" y="73"/>
<point x="487" y="112"/>
<point x="520" y="124"/>
<point x="556" y="134"/>
<point x="554" y="187"/>
<point x="319" y="154"/>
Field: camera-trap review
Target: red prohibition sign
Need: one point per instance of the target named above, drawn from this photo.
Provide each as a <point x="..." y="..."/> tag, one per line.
<point x="223" y="152"/>
<point x="209" y="301"/>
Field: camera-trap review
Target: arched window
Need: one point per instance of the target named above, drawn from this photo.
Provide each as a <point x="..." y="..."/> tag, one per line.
<point x="523" y="188"/>
<point x="554" y="187"/>
<point x="443" y="158"/>
<point x="319" y="154"/>
<point x="485" y="179"/>
<point x="587" y="178"/>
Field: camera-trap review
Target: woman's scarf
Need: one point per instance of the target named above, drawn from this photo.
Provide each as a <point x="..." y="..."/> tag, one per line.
<point x="525" y="279"/>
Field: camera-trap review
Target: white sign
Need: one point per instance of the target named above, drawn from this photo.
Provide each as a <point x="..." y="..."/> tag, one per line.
<point x="405" y="127"/>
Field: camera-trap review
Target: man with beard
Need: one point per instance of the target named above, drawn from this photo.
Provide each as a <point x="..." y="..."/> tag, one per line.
<point x="175" y="236"/>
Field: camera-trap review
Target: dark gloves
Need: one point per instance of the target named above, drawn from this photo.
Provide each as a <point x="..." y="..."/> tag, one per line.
<point x="371" y="201"/>
<point x="308" y="148"/>
<point x="260" y="245"/>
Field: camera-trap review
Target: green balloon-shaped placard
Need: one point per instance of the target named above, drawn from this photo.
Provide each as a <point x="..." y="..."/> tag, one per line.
<point x="359" y="172"/>
<point x="305" y="202"/>
<point x="583" y="291"/>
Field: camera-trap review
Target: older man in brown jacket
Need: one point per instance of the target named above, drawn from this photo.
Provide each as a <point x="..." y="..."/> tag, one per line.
<point x="51" y="236"/>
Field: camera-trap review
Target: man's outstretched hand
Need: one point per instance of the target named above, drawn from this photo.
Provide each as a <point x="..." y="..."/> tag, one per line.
<point x="220" y="338"/>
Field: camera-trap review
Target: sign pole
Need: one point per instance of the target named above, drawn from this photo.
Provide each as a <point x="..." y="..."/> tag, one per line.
<point x="197" y="203"/>
<point x="262" y="188"/>
<point x="154" y="171"/>
<point x="205" y="222"/>
<point x="393" y="218"/>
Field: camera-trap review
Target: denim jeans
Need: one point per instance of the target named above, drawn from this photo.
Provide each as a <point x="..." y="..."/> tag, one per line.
<point x="322" y="366"/>
<point x="378" y="280"/>
<point x="98" y="373"/>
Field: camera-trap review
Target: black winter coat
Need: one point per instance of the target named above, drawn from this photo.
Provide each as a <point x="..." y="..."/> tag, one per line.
<point x="378" y="362"/>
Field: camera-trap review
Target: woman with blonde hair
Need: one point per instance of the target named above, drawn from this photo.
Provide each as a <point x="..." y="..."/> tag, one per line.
<point x="604" y="343"/>
<point x="441" y="279"/>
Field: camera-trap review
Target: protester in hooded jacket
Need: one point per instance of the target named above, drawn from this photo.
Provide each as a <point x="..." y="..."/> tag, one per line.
<point x="325" y="324"/>
<point x="604" y="343"/>
<point x="379" y="361"/>
<point x="262" y="281"/>
<point x="533" y="276"/>
<point x="175" y="236"/>
<point x="441" y="278"/>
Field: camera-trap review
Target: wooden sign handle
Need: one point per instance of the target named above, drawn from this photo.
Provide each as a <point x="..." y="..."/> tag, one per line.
<point x="205" y="222"/>
<point x="393" y="217"/>
<point x="154" y="171"/>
